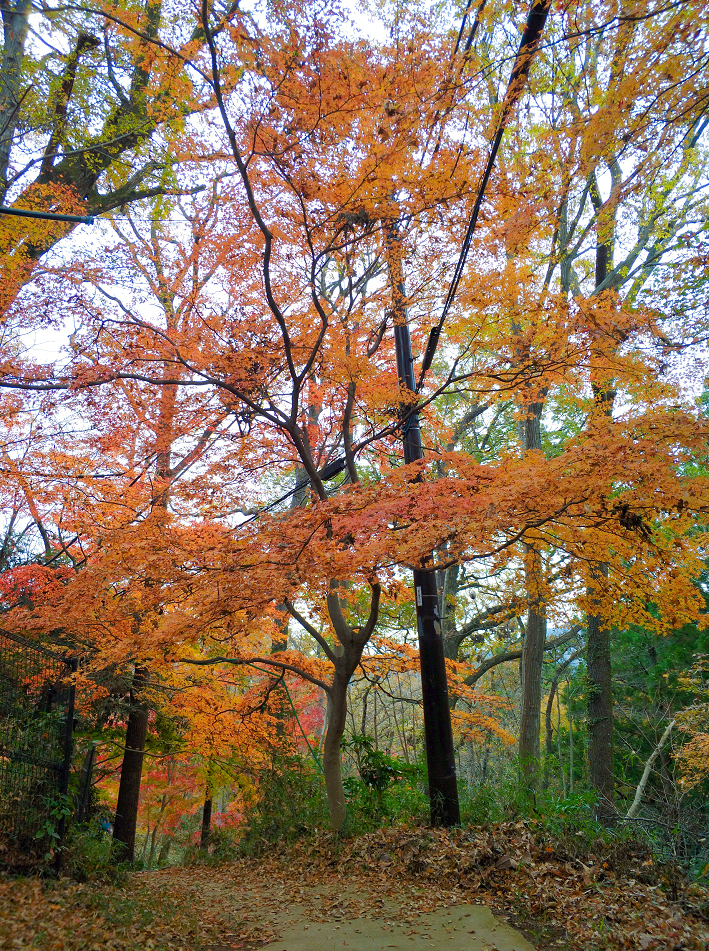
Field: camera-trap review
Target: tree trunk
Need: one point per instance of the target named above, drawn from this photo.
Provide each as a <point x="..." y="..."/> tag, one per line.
<point x="206" y="821"/>
<point x="598" y="650"/>
<point x="550" y="733"/>
<point x="332" y="759"/>
<point x="450" y="580"/>
<point x="530" y="718"/>
<point x="559" y="751"/>
<point x="83" y="805"/>
<point x="153" y="844"/>
<point x="145" y="846"/>
<point x="640" y="791"/>
<point x="600" y="714"/>
<point x="438" y="730"/>
<point x="164" y="848"/>
<point x="15" y="26"/>
<point x="129" y="789"/>
<point x="535" y="636"/>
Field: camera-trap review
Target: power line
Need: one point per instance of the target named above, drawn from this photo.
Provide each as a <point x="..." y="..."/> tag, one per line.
<point x="326" y="473"/>
<point x="536" y="20"/>
<point x="473" y="29"/>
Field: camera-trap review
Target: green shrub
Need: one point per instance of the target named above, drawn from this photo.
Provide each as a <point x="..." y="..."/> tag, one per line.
<point x="515" y="799"/>
<point x="224" y="846"/>
<point x="291" y="803"/>
<point x="480" y="806"/>
<point x="387" y="789"/>
<point x="87" y="855"/>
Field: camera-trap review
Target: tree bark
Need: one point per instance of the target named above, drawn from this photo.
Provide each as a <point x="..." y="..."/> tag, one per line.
<point x="153" y="844"/>
<point x="83" y="806"/>
<point x="549" y="732"/>
<point x="449" y="580"/>
<point x="129" y="788"/>
<point x="600" y="715"/>
<point x="164" y="848"/>
<point x="332" y="759"/>
<point x="532" y="663"/>
<point x="535" y="636"/>
<point x="598" y="651"/>
<point x="206" y="821"/>
<point x="15" y="26"/>
<point x="440" y="748"/>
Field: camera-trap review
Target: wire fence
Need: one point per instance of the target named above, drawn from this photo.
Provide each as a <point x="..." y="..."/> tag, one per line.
<point x="36" y="720"/>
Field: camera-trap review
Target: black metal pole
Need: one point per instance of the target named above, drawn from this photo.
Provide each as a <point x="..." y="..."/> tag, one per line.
<point x="440" y="752"/>
<point x="45" y="215"/>
<point x="73" y="664"/>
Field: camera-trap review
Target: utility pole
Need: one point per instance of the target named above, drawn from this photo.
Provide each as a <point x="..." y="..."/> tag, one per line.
<point x="440" y="753"/>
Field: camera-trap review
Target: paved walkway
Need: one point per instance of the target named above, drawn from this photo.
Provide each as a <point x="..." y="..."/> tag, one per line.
<point x="460" y="928"/>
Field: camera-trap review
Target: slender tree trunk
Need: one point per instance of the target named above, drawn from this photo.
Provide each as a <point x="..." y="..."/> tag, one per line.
<point x="153" y="843"/>
<point x="440" y="748"/>
<point x="206" y="821"/>
<point x="600" y="715"/>
<point x="145" y="845"/>
<point x="559" y="750"/>
<point x="400" y="733"/>
<point x="129" y="788"/>
<point x="332" y="758"/>
<point x="448" y="594"/>
<point x="15" y="26"/>
<point x="600" y="675"/>
<point x="365" y="699"/>
<point x="549" y="732"/>
<point x="164" y="848"/>
<point x="83" y="806"/>
<point x="640" y="791"/>
<point x="530" y="718"/>
<point x="535" y="637"/>
<point x="598" y="656"/>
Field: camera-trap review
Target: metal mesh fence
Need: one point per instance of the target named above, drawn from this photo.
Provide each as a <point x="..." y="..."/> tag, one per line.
<point x="36" y="712"/>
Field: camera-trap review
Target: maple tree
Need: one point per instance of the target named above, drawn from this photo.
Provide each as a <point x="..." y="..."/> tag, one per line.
<point x="306" y="457"/>
<point x="90" y="101"/>
<point x="240" y="343"/>
<point x="600" y="108"/>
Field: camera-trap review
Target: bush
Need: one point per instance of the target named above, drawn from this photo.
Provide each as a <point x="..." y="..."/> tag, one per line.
<point x="514" y="800"/>
<point x="87" y="854"/>
<point x="291" y="803"/>
<point x="224" y="846"/>
<point x="387" y="789"/>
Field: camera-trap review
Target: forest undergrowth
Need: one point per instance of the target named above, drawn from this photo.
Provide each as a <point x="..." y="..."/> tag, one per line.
<point x="562" y="890"/>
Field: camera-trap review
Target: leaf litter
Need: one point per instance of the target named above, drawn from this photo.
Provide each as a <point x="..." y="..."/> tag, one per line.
<point x="561" y="893"/>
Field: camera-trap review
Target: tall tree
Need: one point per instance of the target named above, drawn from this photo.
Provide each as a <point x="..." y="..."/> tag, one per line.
<point x="89" y="109"/>
<point x="314" y="134"/>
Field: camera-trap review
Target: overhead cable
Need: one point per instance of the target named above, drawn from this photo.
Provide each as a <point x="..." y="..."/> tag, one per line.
<point x="326" y="473"/>
<point x="473" y="29"/>
<point x="536" y="20"/>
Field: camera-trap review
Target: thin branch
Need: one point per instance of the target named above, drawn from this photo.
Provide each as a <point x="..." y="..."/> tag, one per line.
<point x="241" y="662"/>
